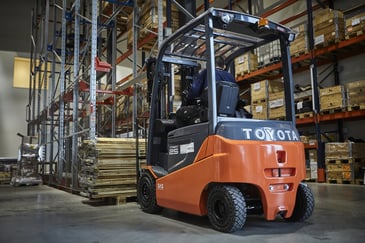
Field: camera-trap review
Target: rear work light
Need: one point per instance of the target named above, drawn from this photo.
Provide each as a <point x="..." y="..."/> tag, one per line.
<point x="283" y="187"/>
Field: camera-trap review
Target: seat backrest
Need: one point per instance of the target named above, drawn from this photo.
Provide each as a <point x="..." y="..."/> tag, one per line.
<point x="227" y="98"/>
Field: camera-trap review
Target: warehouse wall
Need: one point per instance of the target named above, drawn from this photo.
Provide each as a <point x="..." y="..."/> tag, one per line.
<point x="12" y="107"/>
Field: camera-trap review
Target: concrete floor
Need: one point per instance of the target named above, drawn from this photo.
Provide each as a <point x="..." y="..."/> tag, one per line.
<point x="44" y="214"/>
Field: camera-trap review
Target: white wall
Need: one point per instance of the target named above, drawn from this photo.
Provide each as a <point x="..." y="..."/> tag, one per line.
<point x="12" y="107"/>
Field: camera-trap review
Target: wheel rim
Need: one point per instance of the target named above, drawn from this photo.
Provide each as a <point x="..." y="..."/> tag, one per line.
<point x="146" y="191"/>
<point x="220" y="209"/>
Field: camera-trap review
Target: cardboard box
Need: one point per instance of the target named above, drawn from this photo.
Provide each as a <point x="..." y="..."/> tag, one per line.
<point x="262" y="89"/>
<point x="332" y="98"/>
<point x="245" y="64"/>
<point x="329" y="27"/>
<point x="259" y="110"/>
<point x="355" y="93"/>
<point x="346" y="150"/>
<point x="355" y="25"/>
<point x="277" y="105"/>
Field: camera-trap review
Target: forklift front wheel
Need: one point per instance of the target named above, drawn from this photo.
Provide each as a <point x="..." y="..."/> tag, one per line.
<point x="146" y="193"/>
<point x="226" y="208"/>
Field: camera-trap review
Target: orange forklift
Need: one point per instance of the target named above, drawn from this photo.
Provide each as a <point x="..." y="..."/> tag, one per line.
<point x="219" y="163"/>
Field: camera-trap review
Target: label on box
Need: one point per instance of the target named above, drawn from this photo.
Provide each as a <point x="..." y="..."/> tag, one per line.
<point x="241" y="59"/>
<point x="319" y="39"/>
<point x="259" y="109"/>
<point x="355" y="21"/>
<point x="276" y="103"/>
<point x="300" y="105"/>
<point x="256" y="86"/>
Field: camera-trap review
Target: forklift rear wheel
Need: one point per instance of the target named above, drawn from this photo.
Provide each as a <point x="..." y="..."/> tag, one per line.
<point x="146" y="193"/>
<point x="226" y="208"/>
<point x="304" y="204"/>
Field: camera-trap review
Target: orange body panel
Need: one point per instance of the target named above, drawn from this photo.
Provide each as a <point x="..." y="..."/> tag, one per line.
<point x="222" y="160"/>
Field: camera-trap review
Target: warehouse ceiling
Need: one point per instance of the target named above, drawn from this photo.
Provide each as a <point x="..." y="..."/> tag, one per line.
<point x="15" y="17"/>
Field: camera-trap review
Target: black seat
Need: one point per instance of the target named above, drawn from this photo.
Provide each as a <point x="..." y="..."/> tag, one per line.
<point x="227" y="98"/>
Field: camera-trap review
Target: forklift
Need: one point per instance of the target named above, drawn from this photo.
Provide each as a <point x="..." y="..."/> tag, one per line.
<point x="221" y="165"/>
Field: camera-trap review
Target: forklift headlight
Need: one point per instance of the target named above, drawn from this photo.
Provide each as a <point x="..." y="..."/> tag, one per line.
<point x="281" y="187"/>
<point x="227" y="18"/>
<point x="291" y="37"/>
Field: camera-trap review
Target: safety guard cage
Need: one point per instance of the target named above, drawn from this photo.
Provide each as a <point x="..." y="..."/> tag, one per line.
<point x="219" y="32"/>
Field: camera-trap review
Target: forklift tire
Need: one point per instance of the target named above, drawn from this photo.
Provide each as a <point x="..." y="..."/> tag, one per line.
<point x="146" y="193"/>
<point x="304" y="204"/>
<point x="226" y="208"/>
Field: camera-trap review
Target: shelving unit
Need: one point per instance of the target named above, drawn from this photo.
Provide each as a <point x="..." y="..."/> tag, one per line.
<point x="343" y="49"/>
<point x="309" y="61"/>
<point x="68" y="36"/>
<point x="78" y="42"/>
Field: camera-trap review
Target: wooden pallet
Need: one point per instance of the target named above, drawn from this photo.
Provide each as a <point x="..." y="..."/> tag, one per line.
<point x="354" y="34"/>
<point x="279" y="118"/>
<point x="243" y="73"/>
<point x="327" y="42"/>
<point x="108" y="167"/>
<point x="356" y="107"/>
<point x="304" y="115"/>
<point x="259" y="101"/>
<point x="344" y="160"/>
<point x="299" y="53"/>
<point x="339" y="181"/>
<point x="333" y="110"/>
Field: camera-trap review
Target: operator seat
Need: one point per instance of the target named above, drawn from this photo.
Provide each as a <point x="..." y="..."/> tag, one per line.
<point x="227" y="98"/>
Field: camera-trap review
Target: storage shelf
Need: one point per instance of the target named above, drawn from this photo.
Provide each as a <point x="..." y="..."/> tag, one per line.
<point x="310" y="145"/>
<point x="324" y="55"/>
<point x="332" y="117"/>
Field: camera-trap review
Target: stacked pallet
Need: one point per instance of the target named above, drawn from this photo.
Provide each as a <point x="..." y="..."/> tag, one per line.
<point x="245" y="63"/>
<point x="148" y="21"/>
<point x="332" y="99"/>
<point x="329" y="27"/>
<point x="344" y="162"/>
<point x="355" y="26"/>
<point x="299" y="45"/>
<point x="355" y="95"/>
<point x="303" y="104"/>
<point x="260" y="93"/>
<point x="108" y="167"/>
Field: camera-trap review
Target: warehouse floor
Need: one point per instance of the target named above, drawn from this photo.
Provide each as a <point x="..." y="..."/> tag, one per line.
<point x="44" y="214"/>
